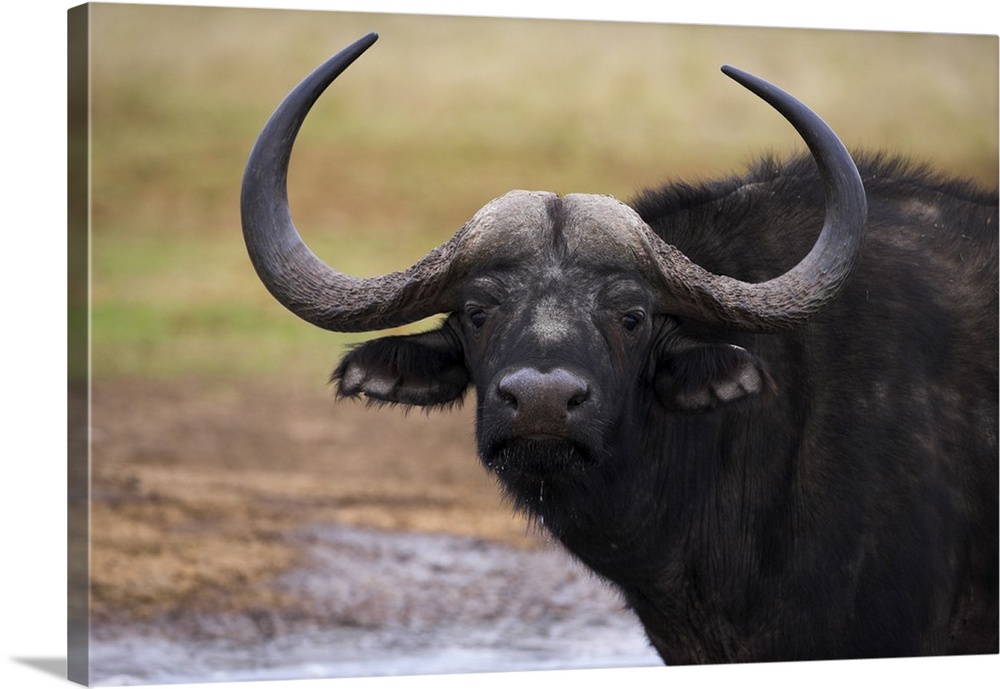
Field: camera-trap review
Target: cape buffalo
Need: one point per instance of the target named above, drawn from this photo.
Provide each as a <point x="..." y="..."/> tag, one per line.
<point x="777" y="446"/>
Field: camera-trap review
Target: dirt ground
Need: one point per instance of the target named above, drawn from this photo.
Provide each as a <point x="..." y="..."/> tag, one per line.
<point x="198" y="488"/>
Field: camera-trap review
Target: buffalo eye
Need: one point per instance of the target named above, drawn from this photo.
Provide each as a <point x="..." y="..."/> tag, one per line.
<point x="632" y="320"/>
<point x="477" y="317"/>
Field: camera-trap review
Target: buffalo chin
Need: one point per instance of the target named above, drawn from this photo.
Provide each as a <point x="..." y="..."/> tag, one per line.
<point x="535" y="457"/>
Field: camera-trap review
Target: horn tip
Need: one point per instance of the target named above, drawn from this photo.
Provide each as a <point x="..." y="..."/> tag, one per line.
<point x="366" y="41"/>
<point x="735" y="73"/>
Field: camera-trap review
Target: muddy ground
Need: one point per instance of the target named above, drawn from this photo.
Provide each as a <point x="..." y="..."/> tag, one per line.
<point x="201" y="492"/>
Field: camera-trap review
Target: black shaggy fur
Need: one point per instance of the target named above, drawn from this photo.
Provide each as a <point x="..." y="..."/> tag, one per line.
<point x="844" y="507"/>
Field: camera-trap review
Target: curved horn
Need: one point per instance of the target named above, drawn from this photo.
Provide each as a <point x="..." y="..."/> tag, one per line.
<point x="291" y="272"/>
<point x="791" y="298"/>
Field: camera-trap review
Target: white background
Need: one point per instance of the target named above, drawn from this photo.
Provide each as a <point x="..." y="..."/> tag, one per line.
<point x="33" y="283"/>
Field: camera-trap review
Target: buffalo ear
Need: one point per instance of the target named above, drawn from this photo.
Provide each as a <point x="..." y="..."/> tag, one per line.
<point x="697" y="376"/>
<point x="426" y="369"/>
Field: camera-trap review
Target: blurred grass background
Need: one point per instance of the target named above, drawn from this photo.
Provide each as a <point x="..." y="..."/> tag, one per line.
<point x="440" y="116"/>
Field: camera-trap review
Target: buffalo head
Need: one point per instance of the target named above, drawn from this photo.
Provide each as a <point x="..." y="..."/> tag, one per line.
<point x="562" y="311"/>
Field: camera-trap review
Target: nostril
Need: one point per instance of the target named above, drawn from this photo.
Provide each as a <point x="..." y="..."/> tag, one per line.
<point x="508" y="391"/>
<point x="577" y="399"/>
<point x="572" y="388"/>
<point x="508" y="398"/>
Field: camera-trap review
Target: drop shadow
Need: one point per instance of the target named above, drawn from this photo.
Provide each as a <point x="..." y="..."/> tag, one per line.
<point x="50" y="666"/>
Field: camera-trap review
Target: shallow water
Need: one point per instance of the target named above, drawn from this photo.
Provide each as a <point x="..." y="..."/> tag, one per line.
<point x="400" y="604"/>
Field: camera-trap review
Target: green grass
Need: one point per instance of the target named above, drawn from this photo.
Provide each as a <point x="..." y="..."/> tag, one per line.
<point x="441" y="115"/>
<point x="168" y="307"/>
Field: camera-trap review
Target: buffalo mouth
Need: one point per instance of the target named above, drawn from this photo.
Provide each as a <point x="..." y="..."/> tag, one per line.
<point x="536" y="456"/>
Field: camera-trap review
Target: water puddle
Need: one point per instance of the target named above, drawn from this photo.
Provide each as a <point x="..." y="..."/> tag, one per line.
<point x="401" y="604"/>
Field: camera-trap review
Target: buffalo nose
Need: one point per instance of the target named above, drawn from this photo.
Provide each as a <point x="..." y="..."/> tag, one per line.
<point x="541" y="404"/>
